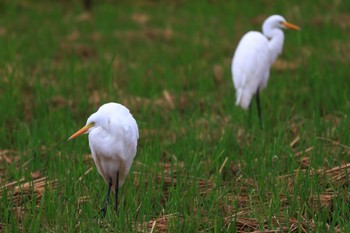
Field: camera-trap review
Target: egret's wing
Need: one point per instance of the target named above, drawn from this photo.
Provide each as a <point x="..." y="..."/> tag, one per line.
<point x="124" y="127"/>
<point x="250" y="67"/>
<point x="251" y="61"/>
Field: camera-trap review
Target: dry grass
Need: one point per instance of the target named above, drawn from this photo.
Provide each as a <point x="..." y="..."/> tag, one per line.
<point x="240" y="216"/>
<point x="230" y="189"/>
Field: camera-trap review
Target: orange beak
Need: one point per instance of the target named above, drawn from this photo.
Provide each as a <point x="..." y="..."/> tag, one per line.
<point x="81" y="131"/>
<point x="291" y="26"/>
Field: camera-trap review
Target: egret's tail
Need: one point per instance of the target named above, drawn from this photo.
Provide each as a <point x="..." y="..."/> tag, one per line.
<point x="243" y="98"/>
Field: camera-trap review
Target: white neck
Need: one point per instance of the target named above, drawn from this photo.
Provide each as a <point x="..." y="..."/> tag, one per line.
<point x="276" y="37"/>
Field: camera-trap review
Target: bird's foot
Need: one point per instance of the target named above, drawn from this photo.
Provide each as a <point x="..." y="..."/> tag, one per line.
<point x="102" y="213"/>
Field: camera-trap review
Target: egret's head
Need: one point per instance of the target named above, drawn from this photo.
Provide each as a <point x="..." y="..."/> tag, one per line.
<point x="97" y="119"/>
<point x="101" y="118"/>
<point x="277" y="21"/>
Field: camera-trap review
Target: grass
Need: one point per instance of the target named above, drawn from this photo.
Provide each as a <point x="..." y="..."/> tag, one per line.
<point x="199" y="166"/>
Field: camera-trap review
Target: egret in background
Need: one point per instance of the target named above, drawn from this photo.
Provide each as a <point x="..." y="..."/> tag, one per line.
<point x="113" y="135"/>
<point x="254" y="55"/>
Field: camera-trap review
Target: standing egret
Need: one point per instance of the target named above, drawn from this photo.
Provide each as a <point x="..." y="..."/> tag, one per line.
<point x="254" y="55"/>
<point x="113" y="135"/>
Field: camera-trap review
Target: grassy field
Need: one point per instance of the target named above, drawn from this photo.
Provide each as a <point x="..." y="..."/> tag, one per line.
<point x="200" y="166"/>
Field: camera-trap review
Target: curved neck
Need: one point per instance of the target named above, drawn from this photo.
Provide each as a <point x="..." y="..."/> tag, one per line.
<point x="276" y="39"/>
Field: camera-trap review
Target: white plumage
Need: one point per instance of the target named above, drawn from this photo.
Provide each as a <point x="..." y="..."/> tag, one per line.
<point x="255" y="54"/>
<point x="113" y="135"/>
<point x="113" y="141"/>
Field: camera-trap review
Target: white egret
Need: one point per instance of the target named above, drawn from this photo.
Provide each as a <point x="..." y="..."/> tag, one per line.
<point x="113" y="135"/>
<point x="254" y="55"/>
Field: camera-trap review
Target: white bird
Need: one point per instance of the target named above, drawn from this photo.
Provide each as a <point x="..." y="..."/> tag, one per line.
<point x="254" y="55"/>
<point x="113" y="135"/>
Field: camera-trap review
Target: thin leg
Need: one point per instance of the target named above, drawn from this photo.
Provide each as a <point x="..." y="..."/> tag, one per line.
<point x="104" y="209"/>
<point x="259" y="109"/>
<point x="116" y="191"/>
<point x="250" y="114"/>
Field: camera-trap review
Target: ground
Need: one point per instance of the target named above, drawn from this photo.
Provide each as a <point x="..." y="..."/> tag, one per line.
<point x="203" y="164"/>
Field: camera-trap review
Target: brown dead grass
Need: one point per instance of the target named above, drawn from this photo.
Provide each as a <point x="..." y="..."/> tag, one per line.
<point x="161" y="34"/>
<point x="240" y="216"/>
<point x="19" y="192"/>
<point x="282" y="65"/>
<point x="341" y="20"/>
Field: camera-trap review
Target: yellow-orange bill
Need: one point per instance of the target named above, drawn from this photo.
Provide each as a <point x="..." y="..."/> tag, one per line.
<point x="80" y="131"/>
<point x="291" y="26"/>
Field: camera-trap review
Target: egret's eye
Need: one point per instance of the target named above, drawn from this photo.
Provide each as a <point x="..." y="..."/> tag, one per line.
<point x="92" y="123"/>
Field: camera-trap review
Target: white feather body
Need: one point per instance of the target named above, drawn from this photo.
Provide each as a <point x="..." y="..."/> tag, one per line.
<point x="254" y="55"/>
<point x="113" y="141"/>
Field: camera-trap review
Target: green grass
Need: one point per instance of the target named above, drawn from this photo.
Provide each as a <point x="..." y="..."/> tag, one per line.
<point x="199" y="166"/>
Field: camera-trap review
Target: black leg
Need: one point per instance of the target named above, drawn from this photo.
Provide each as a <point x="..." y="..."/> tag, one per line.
<point x="250" y="113"/>
<point x="104" y="209"/>
<point x="259" y="109"/>
<point x="116" y="192"/>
